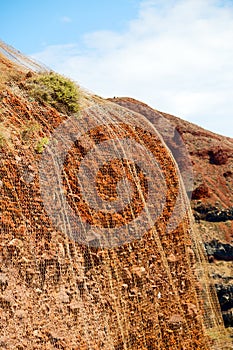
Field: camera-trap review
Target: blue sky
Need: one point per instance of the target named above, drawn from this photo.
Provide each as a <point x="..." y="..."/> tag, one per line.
<point x="31" y="25"/>
<point x="175" y="55"/>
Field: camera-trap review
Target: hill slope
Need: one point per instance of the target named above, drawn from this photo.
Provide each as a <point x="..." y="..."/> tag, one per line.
<point x="212" y="200"/>
<point x="63" y="288"/>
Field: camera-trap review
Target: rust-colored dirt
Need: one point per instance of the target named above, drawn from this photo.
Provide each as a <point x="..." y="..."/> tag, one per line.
<point x="149" y="294"/>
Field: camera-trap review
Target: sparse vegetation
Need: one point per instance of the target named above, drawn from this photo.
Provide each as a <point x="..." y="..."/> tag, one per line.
<point x="41" y="144"/>
<point x="55" y="90"/>
<point x="30" y="130"/>
<point x="8" y="75"/>
<point x="3" y="136"/>
<point x="2" y="140"/>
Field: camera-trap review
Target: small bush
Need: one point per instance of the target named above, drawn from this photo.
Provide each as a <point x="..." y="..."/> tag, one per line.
<point x="41" y="144"/>
<point x="55" y="90"/>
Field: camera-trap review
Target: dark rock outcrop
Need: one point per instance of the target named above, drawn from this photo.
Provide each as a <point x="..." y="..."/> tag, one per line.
<point x="228" y="318"/>
<point x="225" y="296"/>
<point x="218" y="156"/>
<point x="220" y="251"/>
<point x="212" y="214"/>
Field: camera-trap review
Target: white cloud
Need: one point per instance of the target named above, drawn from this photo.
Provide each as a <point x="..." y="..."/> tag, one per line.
<point x="66" y="19"/>
<point x="177" y="56"/>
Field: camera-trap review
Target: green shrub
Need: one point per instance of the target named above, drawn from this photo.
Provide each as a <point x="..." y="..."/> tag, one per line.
<point x="41" y="144"/>
<point x="55" y="90"/>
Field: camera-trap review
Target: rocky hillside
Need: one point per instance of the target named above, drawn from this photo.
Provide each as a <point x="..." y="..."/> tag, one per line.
<point x="70" y="276"/>
<point x="211" y="193"/>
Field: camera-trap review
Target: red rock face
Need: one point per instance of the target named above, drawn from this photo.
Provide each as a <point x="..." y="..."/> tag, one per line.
<point x="211" y="156"/>
<point x="150" y="293"/>
<point x="212" y="162"/>
<point x="64" y="288"/>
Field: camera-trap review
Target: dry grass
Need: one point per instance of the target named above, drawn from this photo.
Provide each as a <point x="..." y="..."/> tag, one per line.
<point x="4" y="136"/>
<point x="9" y="72"/>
